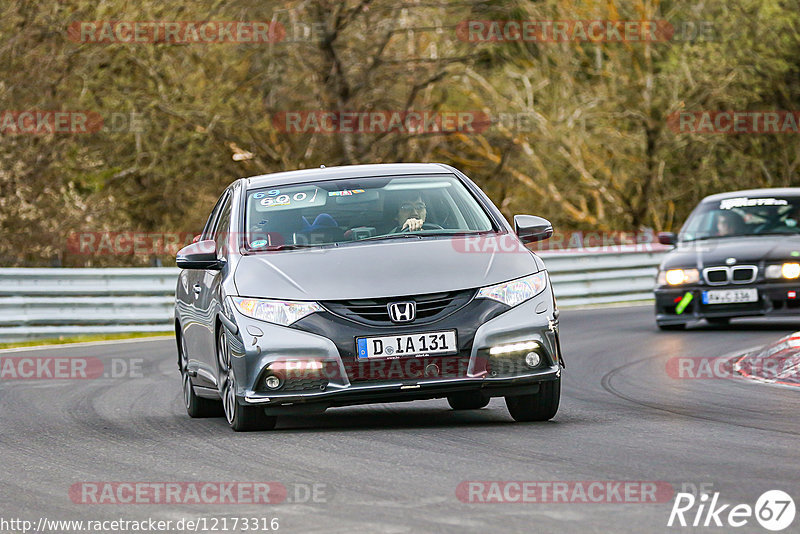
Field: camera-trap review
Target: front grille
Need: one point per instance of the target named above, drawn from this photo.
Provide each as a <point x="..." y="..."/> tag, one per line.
<point x="305" y="384"/>
<point x="430" y="307"/>
<point x="717" y="275"/>
<point x="743" y="274"/>
<point x="740" y="274"/>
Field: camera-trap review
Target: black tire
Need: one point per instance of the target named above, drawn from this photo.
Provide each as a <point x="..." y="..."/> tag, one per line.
<point x="670" y="327"/>
<point x="467" y="401"/>
<point x="250" y="418"/>
<point x="240" y="417"/>
<point x="196" y="407"/>
<point x="541" y="406"/>
<point x="719" y="321"/>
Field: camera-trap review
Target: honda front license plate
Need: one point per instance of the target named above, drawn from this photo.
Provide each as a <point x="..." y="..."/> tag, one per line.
<point x="407" y="345"/>
<point x="730" y="296"/>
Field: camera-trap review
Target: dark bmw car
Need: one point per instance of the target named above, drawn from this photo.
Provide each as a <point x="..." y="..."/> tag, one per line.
<point x="737" y="255"/>
<point x="336" y="286"/>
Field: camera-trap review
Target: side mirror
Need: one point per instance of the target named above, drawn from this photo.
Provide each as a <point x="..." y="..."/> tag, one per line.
<point x="200" y="255"/>
<point x="667" y="238"/>
<point x="196" y="238"/>
<point x="530" y="228"/>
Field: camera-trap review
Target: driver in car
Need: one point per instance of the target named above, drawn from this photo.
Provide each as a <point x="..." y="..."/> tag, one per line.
<point x="729" y="223"/>
<point x="411" y="214"/>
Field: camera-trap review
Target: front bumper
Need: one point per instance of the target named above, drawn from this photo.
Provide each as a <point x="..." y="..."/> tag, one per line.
<point x="773" y="300"/>
<point x="400" y="391"/>
<point x="253" y="356"/>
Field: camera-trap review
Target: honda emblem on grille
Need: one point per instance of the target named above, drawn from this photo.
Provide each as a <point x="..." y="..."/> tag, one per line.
<point x="402" y="312"/>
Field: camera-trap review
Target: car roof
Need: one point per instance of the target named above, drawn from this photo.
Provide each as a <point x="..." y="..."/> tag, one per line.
<point x="776" y="191"/>
<point x="346" y="171"/>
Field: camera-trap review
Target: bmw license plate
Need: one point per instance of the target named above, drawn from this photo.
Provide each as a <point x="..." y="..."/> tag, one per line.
<point x="407" y="345"/>
<point x="730" y="296"/>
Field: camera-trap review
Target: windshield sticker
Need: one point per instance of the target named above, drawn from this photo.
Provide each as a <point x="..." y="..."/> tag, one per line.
<point x="282" y="200"/>
<point x="259" y="243"/>
<point x="259" y="195"/>
<point x="345" y="193"/>
<point x="744" y="202"/>
<point x="291" y="199"/>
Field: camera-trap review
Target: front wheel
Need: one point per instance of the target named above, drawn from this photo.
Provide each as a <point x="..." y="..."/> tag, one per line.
<point x="240" y="417"/>
<point x="541" y="406"/>
<point x="467" y="401"/>
<point x="196" y="407"/>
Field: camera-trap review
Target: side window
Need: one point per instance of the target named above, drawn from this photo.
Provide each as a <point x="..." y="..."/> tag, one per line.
<point x="208" y="229"/>
<point x="222" y="228"/>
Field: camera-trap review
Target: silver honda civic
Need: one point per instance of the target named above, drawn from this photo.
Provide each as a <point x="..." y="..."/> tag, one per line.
<point x="337" y="286"/>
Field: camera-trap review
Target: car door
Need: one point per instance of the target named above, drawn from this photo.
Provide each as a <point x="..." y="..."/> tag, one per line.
<point x="192" y="324"/>
<point x="207" y="303"/>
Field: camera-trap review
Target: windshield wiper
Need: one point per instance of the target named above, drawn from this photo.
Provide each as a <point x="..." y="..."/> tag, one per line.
<point x="288" y="246"/>
<point x="420" y="235"/>
<point x="403" y="235"/>
<point x="778" y="233"/>
<point x="704" y="238"/>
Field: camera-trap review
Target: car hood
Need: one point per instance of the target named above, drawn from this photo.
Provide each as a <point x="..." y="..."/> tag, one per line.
<point x="745" y="250"/>
<point x="380" y="269"/>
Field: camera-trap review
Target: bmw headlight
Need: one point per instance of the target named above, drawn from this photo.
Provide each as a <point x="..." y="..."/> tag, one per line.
<point x="275" y="311"/>
<point x="516" y="291"/>
<point x="789" y="270"/>
<point x="677" y="277"/>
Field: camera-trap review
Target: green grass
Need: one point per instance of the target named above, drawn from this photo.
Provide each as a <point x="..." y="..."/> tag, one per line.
<point x="82" y="339"/>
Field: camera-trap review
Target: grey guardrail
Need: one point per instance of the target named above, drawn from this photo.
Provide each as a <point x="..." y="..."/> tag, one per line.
<point x="589" y="277"/>
<point x="48" y="303"/>
<point x="43" y="303"/>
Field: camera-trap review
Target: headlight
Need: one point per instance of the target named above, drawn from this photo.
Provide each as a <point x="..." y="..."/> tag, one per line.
<point x="275" y="311"/>
<point x="677" y="277"/>
<point x="787" y="270"/>
<point x="516" y="291"/>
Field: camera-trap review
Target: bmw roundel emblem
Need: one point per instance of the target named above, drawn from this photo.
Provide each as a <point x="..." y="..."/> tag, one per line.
<point x="730" y="261"/>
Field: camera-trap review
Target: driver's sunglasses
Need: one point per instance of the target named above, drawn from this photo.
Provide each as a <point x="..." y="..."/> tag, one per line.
<point x="419" y="206"/>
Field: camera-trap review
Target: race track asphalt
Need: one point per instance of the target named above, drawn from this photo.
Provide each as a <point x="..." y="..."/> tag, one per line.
<point x="396" y="467"/>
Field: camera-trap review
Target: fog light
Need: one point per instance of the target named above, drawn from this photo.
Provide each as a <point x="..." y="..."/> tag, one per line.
<point x="532" y="359"/>
<point x="273" y="382"/>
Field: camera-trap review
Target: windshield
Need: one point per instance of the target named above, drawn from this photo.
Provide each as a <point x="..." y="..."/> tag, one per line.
<point x="743" y="216"/>
<point x="349" y="210"/>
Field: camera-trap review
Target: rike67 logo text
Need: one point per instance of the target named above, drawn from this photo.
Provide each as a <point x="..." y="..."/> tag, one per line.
<point x="774" y="510"/>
